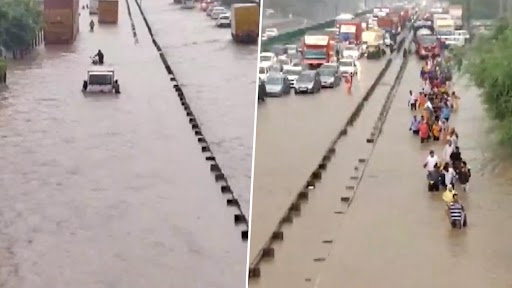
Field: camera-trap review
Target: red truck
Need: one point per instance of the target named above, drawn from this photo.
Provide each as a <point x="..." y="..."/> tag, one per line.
<point x="387" y="24"/>
<point x="317" y="50"/>
<point x="349" y="30"/>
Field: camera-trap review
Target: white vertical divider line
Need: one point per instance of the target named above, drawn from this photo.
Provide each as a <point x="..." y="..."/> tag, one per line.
<point x="256" y="88"/>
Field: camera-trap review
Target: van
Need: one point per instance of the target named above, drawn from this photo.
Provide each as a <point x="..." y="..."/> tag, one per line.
<point x="462" y="33"/>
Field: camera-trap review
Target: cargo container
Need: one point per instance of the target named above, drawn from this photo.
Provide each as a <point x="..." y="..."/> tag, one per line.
<point x="93" y="7"/>
<point x="456" y="12"/>
<point x="61" y="21"/>
<point x="245" y="23"/>
<point x="387" y="24"/>
<point x="317" y="50"/>
<point x="108" y="11"/>
<point x="350" y="31"/>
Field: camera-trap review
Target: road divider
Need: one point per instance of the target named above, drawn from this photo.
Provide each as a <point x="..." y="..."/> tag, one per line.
<point x="296" y="35"/>
<point x="267" y="251"/>
<point x="225" y="188"/>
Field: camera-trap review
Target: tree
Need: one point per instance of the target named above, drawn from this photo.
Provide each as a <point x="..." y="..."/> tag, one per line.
<point x="20" y="21"/>
<point x="488" y="63"/>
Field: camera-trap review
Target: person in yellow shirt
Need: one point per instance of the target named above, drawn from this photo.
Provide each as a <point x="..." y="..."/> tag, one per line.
<point x="436" y="131"/>
<point x="448" y="194"/>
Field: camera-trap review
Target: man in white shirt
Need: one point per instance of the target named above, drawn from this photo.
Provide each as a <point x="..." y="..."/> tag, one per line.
<point x="447" y="151"/>
<point x="449" y="176"/>
<point x="431" y="161"/>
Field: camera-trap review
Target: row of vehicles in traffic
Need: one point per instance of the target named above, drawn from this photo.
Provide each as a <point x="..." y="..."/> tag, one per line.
<point x="243" y="18"/>
<point x="284" y="71"/>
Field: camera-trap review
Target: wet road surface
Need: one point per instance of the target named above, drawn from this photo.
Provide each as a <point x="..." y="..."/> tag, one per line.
<point x="394" y="242"/>
<point x="292" y="135"/>
<point x="219" y="79"/>
<point x="396" y="234"/>
<point x="106" y="191"/>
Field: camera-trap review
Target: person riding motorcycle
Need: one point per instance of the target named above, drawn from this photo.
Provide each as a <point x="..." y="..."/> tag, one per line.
<point x="91" y="25"/>
<point x="100" y="57"/>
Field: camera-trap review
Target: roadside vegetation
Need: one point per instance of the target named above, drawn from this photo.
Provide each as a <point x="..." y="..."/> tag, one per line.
<point x="20" y="21"/>
<point x="487" y="62"/>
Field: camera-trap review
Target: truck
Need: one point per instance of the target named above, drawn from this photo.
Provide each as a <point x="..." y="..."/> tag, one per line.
<point x="350" y="30"/>
<point x="245" y="23"/>
<point x="373" y="37"/>
<point x="387" y="24"/>
<point x="444" y="27"/>
<point x="108" y="11"/>
<point x="456" y="11"/>
<point x="61" y="21"/>
<point x="317" y="50"/>
<point x="93" y="7"/>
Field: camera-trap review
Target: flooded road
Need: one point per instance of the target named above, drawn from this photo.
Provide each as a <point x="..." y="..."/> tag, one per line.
<point x="107" y="191"/>
<point x="292" y="135"/>
<point x="219" y="79"/>
<point x="394" y="233"/>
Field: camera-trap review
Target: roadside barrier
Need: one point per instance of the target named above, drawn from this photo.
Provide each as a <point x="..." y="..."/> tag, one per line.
<point x="295" y="35"/>
<point x="267" y="251"/>
<point x="219" y="176"/>
<point x="134" y="30"/>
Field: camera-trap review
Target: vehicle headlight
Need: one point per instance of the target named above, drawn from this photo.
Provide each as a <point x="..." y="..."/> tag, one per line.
<point x="310" y="86"/>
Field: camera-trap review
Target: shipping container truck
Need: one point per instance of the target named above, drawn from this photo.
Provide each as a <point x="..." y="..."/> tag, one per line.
<point x="108" y="11"/>
<point x="93" y="7"/>
<point x="373" y="37"/>
<point x="350" y="31"/>
<point x="245" y="23"/>
<point x="61" y="21"/>
<point x="317" y="50"/>
<point x="387" y="24"/>
<point x="456" y="12"/>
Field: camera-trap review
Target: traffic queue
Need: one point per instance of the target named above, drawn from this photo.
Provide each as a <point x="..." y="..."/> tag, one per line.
<point x="330" y="58"/>
<point x="431" y="108"/>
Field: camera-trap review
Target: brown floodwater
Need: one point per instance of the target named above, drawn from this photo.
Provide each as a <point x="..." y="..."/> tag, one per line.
<point x="395" y="233"/>
<point x="108" y="191"/>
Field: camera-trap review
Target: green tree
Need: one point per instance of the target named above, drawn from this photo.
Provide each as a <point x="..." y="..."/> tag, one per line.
<point x="488" y="63"/>
<point x="20" y="20"/>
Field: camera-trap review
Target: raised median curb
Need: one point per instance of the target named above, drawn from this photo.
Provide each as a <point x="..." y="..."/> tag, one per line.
<point x="295" y="35"/>
<point x="239" y="218"/>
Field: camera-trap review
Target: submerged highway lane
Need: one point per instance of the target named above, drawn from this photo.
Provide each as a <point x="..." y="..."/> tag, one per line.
<point x="396" y="233"/>
<point x="292" y="135"/>
<point x="219" y="79"/>
<point x="107" y="191"/>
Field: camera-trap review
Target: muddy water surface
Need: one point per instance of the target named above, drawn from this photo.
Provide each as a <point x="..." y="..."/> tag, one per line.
<point x="104" y="191"/>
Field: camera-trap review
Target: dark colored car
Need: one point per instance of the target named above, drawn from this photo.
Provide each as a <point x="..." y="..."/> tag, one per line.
<point x="277" y="85"/>
<point x="329" y="75"/>
<point x="308" y="82"/>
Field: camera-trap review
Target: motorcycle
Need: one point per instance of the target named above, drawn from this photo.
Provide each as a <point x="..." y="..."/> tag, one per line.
<point x="95" y="61"/>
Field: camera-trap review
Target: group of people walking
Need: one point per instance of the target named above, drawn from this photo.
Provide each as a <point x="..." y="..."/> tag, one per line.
<point x="432" y="108"/>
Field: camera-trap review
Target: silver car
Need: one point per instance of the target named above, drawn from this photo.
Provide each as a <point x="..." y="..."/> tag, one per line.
<point x="330" y="77"/>
<point x="308" y="82"/>
<point x="277" y="85"/>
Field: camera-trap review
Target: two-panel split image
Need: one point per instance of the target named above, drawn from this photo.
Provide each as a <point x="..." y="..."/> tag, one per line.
<point x="255" y="144"/>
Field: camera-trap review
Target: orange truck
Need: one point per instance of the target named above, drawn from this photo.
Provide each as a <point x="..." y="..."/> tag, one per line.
<point x="317" y="50"/>
<point x="108" y="11"/>
<point x="388" y="24"/>
<point x="61" y="21"/>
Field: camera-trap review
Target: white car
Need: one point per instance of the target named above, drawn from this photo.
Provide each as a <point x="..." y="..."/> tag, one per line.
<point x="264" y="37"/>
<point x="264" y="70"/>
<point x="271" y="32"/>
<point x="348" y="65"/>
<point x="292" y="73"/>
<point x="100" y="80"/>
<point x="217" y="11"/>
<point x="224" y="20"/>
<point x="267" y="58"/>
<point x="352" y="51"/>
